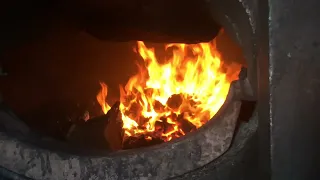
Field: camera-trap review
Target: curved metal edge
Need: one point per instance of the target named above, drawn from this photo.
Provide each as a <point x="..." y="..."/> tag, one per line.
<point x="159" y="162"/>
<point x="9" y="175"/>
<point x="237" y="19"/>
<point x="231" y="158"/>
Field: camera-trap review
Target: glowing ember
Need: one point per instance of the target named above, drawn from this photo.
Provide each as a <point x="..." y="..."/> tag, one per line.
<point x="170" y="99"/>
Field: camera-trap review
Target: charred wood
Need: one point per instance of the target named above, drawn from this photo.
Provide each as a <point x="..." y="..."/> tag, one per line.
<point x="175" y="101"/>
<point x="92" y="133"/>
<point x="113" y="133"/>
<point x="185" y="125"/>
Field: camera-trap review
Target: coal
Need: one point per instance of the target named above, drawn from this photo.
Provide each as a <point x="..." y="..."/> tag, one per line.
<point x="82" y="111"/>
<point x="89" y="134"/>
<point x="158" y="107"/>
<point x="142" y="120"/>
<point x="140" y="141"/>
<point x="106" y="131"/>
<point x="113" y="132"/>
<point x="185" y="125"/>
<point x="167" y="127"/>
<point x="134" y="111"/>
<point x="101" y="132"/>
<point x="175" y="101"/>
<point x="159" y="126"/>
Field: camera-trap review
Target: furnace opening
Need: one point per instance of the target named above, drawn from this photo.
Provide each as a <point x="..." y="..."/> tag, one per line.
<point x="176" y="89"/>
<point x="171" y="90"/>
<point x="165" y="100"/>
<point x="83" y="88"/>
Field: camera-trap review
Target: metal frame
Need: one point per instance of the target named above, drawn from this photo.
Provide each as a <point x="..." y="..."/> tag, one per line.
<point x="289" y="60"/>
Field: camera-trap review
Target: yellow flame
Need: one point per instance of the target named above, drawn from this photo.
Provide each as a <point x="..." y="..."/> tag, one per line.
<point x="190" y="83"/>
<point x="101" y="98"/>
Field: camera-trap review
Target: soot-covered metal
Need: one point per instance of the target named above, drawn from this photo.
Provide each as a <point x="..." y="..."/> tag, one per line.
<point x="172" y="159"/>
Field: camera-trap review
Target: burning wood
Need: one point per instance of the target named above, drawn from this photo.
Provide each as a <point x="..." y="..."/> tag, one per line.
<point x="113" y="133"/>
<point x="106" y="131"/>
<point x="175" y="101"/>
<point x="103" y="132"/>
<point x="166" y="101"/>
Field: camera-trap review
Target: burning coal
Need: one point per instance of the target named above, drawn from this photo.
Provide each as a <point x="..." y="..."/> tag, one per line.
<point x="165" y="101"/>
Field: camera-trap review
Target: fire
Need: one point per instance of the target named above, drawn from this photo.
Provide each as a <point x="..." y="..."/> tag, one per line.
<point x="168" y="100"/>
<point x="101" y="98"/>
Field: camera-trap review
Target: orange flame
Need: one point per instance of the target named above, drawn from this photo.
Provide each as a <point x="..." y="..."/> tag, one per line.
<point x="159" y="100"/>
<point x="101" y="98"/>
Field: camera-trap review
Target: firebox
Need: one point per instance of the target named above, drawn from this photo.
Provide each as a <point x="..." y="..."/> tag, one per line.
<point x="156" y="90"/>
<point x="187" y="100"/>
<point x="164" y="100"/>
